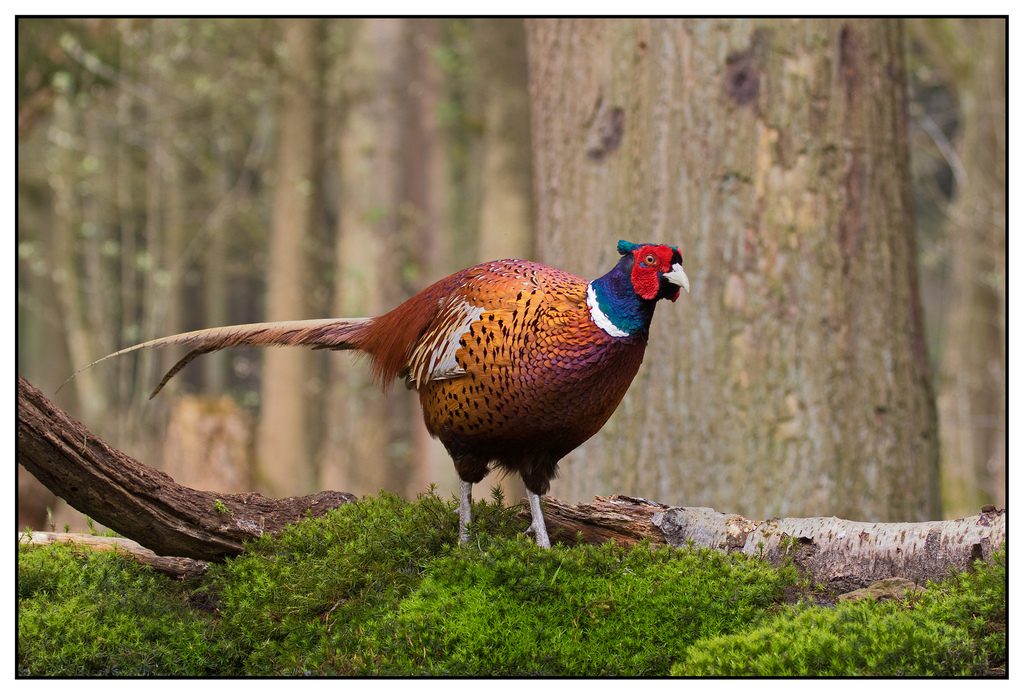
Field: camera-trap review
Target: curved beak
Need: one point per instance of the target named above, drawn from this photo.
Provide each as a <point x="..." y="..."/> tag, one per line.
<point x="678" y="276"/>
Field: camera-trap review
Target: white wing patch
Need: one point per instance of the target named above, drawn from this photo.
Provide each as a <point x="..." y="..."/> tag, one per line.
<point x="433" y="359"/>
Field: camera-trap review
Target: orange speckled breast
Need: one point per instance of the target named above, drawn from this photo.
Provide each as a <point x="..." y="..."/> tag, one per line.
<point x="534" y="371"/>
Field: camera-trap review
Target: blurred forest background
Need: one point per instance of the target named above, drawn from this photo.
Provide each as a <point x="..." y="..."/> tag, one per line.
<point x="176" y="174"/>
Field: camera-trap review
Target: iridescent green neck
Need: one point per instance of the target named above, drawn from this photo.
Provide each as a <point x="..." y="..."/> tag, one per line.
<point x="615" y="307"/>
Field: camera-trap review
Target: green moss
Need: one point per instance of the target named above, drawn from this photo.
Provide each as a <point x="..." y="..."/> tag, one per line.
<point x="381" y="587"/>
<point x="300" y="603"/>
<point x="954" y="628"/>
<point x="510" y="608"/>
<point x="100" y="613"/>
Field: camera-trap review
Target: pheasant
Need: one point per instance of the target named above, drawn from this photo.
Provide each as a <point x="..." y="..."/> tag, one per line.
<point x="516" y="363"/>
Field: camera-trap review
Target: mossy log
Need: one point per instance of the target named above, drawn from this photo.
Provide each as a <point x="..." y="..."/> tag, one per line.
<point x="842" y="554"/>
<point x="170" y="519"/>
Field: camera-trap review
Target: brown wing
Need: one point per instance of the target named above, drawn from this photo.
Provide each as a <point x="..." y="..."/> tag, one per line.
<point x="472" y="327"/>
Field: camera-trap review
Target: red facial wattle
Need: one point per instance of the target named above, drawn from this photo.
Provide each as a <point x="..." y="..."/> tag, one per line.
<point x="645" y="276"/>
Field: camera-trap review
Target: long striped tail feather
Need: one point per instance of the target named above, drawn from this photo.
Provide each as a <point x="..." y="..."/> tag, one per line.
<point x="319" y="334"/>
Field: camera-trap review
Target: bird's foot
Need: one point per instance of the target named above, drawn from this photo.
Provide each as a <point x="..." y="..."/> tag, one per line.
<point x="540" y="537"/>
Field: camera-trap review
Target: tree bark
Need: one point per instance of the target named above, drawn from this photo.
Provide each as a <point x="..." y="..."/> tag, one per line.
<point x="139" y="502"/>
<point x="793" y="380"/>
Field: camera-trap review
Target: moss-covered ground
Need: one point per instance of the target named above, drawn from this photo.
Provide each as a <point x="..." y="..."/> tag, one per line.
<point x="380" y="587"/>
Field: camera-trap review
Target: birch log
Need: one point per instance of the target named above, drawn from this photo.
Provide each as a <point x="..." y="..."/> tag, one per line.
<point x="844" y="555"/>
<point x="178" y="567"/>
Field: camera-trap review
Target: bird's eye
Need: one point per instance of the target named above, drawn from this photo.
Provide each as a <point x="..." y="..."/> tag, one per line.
<point x="649" y="260"/>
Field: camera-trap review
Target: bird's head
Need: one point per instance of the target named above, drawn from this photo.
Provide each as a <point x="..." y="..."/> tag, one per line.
<point x="657" y="270"/>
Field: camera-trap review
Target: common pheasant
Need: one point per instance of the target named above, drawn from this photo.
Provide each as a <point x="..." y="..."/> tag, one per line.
<point x="516" y="363"/>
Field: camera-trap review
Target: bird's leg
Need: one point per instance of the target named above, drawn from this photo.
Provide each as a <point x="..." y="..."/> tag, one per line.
<point x="540" y="531"/>
<point x="465" y="511"/>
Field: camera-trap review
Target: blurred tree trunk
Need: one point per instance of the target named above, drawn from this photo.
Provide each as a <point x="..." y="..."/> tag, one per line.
<point x="357" y="449"/>
<point x="506" y="214"/>
<point x="215" y="290"/>
<point x="126" y="175"/>
<point x="82" y="338"/>
<point x="282" y="451"/>
<point x="208" y="444"/>
<point x="793" y="380"/>
<point x="154" y="300"/>
<point x="157" y="309"/>
<point x="74" y="272"/>
<point x="170" y="243"/>
<point x="423" y="218"/>
<point x="972" y="391"/>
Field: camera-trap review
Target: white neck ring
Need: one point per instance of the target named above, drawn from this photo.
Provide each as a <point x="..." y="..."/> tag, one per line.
<point x="601" y="318"/>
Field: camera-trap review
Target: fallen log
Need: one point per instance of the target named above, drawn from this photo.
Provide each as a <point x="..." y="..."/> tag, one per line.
<point x="177" y="567"/>
<point x="844" y="555"/>
<point x="142" y="503"/>
<point x="149" y="507"/>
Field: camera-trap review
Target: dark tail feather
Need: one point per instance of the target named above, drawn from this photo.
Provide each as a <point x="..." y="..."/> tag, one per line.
<point x="178" y="366"/>
<point x="331" y="334"/>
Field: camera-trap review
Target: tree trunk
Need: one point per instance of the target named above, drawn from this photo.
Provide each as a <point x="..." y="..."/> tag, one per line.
<point x="793" y="380"/>
<point x="127" y="175"/>
<point x="208" y="444"/>
<point x="215" y="291"/>
<point x="283" y="456"/>
<point x="168" y="242"/>
<point x="506" y="206"/>
<point x="81" y="337"/>
<point x="972" y="391"/>
<point x="357" y="450"/>
<point x="423" y="222"/>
